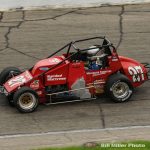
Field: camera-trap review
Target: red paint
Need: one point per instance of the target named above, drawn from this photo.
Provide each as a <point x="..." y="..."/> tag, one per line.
<point x="68" y="72"/>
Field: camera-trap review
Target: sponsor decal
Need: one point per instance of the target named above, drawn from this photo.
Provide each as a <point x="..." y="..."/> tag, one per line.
<point x="28" y="75"/>
<point x="76" y="65"/>
<point x="137" y="73"/>
<point x="39" y="92"/>
<point x="17" y="80"/>
<point x="101" y="81"/>
<point x="99" y="86"/>
<point x="35" y="84"/>
<point x="99" y="72"/>
<point x="56" y="77"/>
<point x="105" y="71"/>
<point x="114" y="58"/>
<point x="20" y="79"/>
<point x="54" y="60"/>
<point x="93" y="73"/>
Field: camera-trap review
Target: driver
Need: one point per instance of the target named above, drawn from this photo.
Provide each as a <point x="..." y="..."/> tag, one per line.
<point x="91" y="57"/>
<point x="94" y="58"/>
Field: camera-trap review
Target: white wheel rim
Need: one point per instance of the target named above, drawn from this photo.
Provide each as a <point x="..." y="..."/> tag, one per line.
<point x="27" y="101"/>
<point x="121" y="90"/>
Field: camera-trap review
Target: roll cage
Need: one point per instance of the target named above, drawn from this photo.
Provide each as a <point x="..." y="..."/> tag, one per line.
<point x="106" y="44"/>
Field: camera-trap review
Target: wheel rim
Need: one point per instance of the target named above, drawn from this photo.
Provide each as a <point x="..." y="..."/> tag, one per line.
<point x="121" y="90"/>
<point x="27" y="101"/>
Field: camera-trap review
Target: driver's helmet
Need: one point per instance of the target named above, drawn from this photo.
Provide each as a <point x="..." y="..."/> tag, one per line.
<point x="93" y="51"/>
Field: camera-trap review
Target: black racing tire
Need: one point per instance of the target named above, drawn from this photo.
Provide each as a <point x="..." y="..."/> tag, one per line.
<point x="26" y="100"/>
<point x="10" y="100"/>
<point x="5" y="74"/>
<point x="119" y="88"/>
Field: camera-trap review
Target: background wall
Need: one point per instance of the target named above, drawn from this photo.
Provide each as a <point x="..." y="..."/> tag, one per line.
<point x="29" y="4"/>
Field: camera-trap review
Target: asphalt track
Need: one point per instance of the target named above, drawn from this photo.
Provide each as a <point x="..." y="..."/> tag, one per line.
<point x="26" y="36"/>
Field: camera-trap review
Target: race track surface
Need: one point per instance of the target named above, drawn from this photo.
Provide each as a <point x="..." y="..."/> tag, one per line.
<point x="26" y="36"/>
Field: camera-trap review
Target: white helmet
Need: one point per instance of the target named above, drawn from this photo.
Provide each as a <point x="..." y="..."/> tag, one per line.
<point x="93" y="50"/>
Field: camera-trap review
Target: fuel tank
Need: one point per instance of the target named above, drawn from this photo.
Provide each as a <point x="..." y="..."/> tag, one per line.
<point x="134" y="70"/>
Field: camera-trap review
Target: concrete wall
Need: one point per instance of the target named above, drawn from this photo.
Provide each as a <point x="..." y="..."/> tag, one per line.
<point x="29" y="4"/>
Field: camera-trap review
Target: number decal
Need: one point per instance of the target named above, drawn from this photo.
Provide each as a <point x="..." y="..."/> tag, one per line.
<point x="137" y="73"/>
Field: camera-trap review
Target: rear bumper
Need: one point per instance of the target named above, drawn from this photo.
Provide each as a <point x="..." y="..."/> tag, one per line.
<point x="3" y="91"/>
<point x="147" y="66"/>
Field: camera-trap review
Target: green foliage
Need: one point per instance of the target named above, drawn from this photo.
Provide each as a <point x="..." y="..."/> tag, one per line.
<point x="131" y="145"/>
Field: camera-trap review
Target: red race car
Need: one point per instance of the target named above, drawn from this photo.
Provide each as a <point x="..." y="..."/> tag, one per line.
<point x="75" y="75"/>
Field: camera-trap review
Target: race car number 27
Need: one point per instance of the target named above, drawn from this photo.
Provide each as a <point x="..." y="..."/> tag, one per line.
<point x="137" y="73"/>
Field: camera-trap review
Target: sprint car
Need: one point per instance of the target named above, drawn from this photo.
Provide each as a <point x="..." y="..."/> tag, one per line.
<point x="75" y="74"/>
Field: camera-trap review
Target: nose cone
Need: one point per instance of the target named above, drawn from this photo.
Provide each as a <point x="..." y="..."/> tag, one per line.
<point x="15" y="82"/>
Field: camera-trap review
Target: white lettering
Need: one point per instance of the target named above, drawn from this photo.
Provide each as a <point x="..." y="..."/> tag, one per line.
<point x="56" y="77"/>
<point x="17" y="80"/>
<point x="137" y="73"/>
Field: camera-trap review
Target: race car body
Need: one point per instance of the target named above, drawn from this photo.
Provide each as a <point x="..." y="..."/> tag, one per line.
<point x="82" y="74"/>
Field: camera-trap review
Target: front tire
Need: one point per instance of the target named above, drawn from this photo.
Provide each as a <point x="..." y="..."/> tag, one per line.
<point x="5" y="76"/>
<point x="26" y="100"/>
<point x="119" y="88"/>
<point x="10" y="100"/>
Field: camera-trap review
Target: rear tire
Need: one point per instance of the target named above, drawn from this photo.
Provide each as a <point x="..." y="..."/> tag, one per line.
<point x="119" y="88"/>
<point x="26" y="100"/>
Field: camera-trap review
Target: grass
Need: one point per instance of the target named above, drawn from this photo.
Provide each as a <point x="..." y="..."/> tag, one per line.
<point x="132" y="145"/>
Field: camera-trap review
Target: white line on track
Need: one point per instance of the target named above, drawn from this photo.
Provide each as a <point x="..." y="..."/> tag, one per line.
<point x="72" y="131"/>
